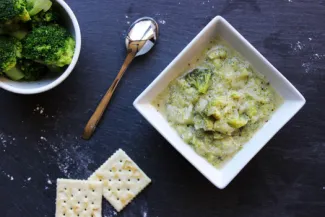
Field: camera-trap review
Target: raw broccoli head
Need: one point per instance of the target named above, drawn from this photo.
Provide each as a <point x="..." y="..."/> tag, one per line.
<point x="13" y="10"/>
<point x="21" y="10"/>
<point x="200" y="79"/>
<point x="51" y="45"/>
<point x="32" y="70"/>
<point x="10" y="49"/>
<point x="45" y="18"/>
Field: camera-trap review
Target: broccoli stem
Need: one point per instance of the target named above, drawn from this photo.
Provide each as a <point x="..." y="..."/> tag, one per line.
<point x="55" y="69"/>
<point x="16" y="30"/>
<point x="15" y="74"/>
<point x="19" y="34"/>
<point x="36" y="6"/>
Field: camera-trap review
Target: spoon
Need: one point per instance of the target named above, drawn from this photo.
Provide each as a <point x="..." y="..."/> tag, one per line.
<point x="142" y="36"/>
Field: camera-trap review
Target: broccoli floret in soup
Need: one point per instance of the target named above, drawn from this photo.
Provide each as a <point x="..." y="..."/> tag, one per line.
<point x="200" y="79"/>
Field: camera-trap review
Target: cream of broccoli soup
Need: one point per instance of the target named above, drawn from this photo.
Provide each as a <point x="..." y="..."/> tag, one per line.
<point x="218" y="104"/>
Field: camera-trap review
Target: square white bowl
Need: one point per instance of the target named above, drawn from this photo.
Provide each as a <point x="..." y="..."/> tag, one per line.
<point x="293" y="101"/>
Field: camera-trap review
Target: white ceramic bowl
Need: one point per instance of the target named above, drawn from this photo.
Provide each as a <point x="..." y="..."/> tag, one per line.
<point x="293" y="101"/>
<point x="51" y="81"/>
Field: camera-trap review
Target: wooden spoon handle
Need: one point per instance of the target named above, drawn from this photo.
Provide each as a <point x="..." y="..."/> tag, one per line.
<point x="95" y="118"/>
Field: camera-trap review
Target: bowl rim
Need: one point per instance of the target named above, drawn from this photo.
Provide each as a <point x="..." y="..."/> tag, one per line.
<point x="141" y="104"/>
<point x="67" y="72"/>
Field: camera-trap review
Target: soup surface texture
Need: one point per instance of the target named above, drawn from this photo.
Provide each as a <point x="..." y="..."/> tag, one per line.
<point x="218" y="104"/>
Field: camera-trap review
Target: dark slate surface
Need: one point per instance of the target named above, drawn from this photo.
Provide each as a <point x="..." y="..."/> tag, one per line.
<point x="286" y="179"/>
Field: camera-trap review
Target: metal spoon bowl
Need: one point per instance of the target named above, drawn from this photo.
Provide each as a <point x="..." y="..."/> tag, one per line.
<point x="143" y="29"/>
<point x="142" y="36"/>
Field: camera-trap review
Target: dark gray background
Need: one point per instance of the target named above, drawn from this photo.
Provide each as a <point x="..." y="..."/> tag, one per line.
<point x="286" y="179"/>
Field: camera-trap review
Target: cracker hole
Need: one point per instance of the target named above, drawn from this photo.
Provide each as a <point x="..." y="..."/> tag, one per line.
<point x="110" y="170"/>
<point x="128" y="189"/>
<point x="129" y="170"/>
<point x="85" y="209"/>
<point x="119" y="180"/>
<point x="65" y="188"/>
<point x="118" y="198"/>
<point x="109" y="189"/>
<point x="92" y="203"/>
<point x="129" y="180"/>
<point x="121" y="161"/>
<point x="63" y="214"/>
<point x="93" y="190"/>
<point x="85" y="196"/>
<point x="118" y="189"/>
<point x="138" y="180"/>
<point x="110" y="180"/>
<point x="64" y="201"/>
<point x="78" y="202"/>
<point x="71" y="195"/>
<point x="100" y="180"/>
<point x="70" y="208"/>
<point x="79" y="189"/>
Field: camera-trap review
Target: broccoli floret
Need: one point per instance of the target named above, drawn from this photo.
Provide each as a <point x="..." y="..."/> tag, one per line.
<point x="10" y="50"/>
<point x="51" y="45"/>
<point x="45" y="18"/>
<point x="13" y="10"/>
<point x="35" y="6"/>
<point x="32" y="70"/>
<point x="200" y="79"/>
